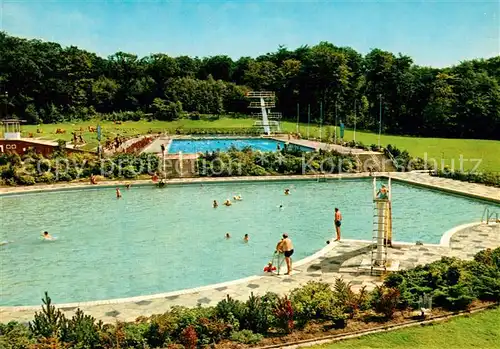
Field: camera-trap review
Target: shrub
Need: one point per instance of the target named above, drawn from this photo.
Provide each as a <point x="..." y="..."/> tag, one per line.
<point x="26" y="180"/>
<point x="161" y="329"/>
<point x="194" y="115"/>
<point x="49" y="322"/>
<point x="312" y="301"/>
<point x="489" y="257"/>
<point x="385" y="300"/>
<point x="283" y="313"/>
<point x="15" y="336"/>
<point x="246" y="337"/>
<point x="211" y="330"/>
<point x="231" y="311"/>
<point x="46" y="177"/>
<point x="337" y="316"/>
<point x="129" y="172"/>
<point x="256" y="315"/>
<point x="189" y="338"/>
<point x="350" y="301"/>
<point x="488" y="178"/>
<point x="50" y="343"/>
<point x="81" y="330"/>
<point x="455" y="297"/>
<point x="189" y="316"/>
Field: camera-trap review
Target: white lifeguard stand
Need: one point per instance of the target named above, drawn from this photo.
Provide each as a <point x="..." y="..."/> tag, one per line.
<point x="382" y="233"/>
<point x="265" y="100"/>
<point x="12" y="128"/>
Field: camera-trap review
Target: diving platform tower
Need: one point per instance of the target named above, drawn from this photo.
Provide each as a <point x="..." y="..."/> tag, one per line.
<point x="265" y="100"/>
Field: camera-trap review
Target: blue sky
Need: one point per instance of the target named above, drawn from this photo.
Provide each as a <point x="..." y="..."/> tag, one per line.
<point x="435" y="33"/>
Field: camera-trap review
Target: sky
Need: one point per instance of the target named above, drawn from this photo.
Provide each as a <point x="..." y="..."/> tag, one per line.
<point x="433" y="33"/>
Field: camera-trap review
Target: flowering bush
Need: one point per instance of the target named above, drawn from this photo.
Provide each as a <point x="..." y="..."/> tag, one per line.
<point x="452" y="283"/>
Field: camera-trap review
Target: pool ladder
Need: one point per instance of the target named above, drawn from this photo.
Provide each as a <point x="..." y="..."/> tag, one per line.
<point x="488" y="215"/>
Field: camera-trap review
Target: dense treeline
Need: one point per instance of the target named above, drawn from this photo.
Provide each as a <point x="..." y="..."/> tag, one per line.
<point x="48" y="83"/>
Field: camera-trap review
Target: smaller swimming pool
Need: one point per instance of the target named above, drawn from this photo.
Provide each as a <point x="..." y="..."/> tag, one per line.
<point x="191" y="146"/>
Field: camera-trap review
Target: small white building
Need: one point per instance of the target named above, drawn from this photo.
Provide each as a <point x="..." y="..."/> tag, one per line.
<point x="12" y="129"/>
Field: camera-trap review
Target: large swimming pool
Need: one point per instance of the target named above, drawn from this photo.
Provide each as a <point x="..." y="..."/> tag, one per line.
<point x="191" y="146"/>
<point x="159" y="240"/>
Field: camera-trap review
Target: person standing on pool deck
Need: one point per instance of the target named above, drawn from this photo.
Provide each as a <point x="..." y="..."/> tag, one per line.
<point x="286" y="246"/>
<point x="338" y="223"/>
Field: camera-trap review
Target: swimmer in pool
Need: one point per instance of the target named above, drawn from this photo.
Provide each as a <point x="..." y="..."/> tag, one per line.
<point x="237" y="198"/>
<point x="227" y="202"/>
<point x="287" y="191"/>
<point x="269" y="268"/>
<point x="246" y="238"/>
<point x="228" y="236"/>
<point x="47" y="236"/>
<point x="127" y="186"/>
<point x="215" y="204"/>
<point x="118" y="193"/>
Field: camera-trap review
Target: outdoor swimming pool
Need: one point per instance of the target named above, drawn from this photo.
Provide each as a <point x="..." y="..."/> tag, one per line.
<point x="159" y="240"/>
<point x="223" y="144"/>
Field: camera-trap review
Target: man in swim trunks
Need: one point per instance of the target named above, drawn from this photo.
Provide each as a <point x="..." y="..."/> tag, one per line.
<point x="286" y="246"/>
<point x="338" y="222"/>
<point x="118" y="193"/>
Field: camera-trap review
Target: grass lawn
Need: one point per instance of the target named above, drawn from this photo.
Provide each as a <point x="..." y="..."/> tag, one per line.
<point x="481" y="330"/>
<point x="446" y="151"/>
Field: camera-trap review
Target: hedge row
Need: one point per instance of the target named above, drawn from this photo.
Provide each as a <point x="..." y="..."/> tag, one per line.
<point x="452" y="283"/>
<point x="289" y="161"/>
<point x="487" y="178"/>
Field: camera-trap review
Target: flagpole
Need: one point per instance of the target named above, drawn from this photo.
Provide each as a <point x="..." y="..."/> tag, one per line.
<point x="298" y="114"/>
<point x="320" y="120"/>
<point x="355" y="114"/>
<point x="308" y="119"/>
<point x="335" y="127"/>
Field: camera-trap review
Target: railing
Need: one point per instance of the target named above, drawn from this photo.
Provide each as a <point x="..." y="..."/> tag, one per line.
<point x="259" y="105"/>
<point x="489" y="215"/>
<point x="260" y="94"/>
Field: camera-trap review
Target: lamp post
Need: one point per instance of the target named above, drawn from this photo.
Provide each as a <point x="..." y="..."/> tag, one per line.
<point x="354" y="137"/>
<point x="380" y="119"/>
<point x="298" y="114"/>
<point x="308" y="118"/>
<point x="335" y="127"/>
<point x="320" y="120"/>
<point x="6" y="102"/>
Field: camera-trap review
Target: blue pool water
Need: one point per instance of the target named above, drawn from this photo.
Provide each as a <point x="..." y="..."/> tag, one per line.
<point x="191" y="146"/>
<point x="159" y="240"/>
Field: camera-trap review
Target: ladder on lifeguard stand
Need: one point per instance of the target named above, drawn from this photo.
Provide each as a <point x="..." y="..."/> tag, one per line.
<point x="382" y="228"/>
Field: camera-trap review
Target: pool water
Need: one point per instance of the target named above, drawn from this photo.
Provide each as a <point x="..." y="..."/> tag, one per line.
<point x="191" y="146"/>
<point x="159" y="240"/>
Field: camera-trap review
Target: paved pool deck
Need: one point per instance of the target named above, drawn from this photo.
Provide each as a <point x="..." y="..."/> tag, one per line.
<point x="335" y="260"/>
